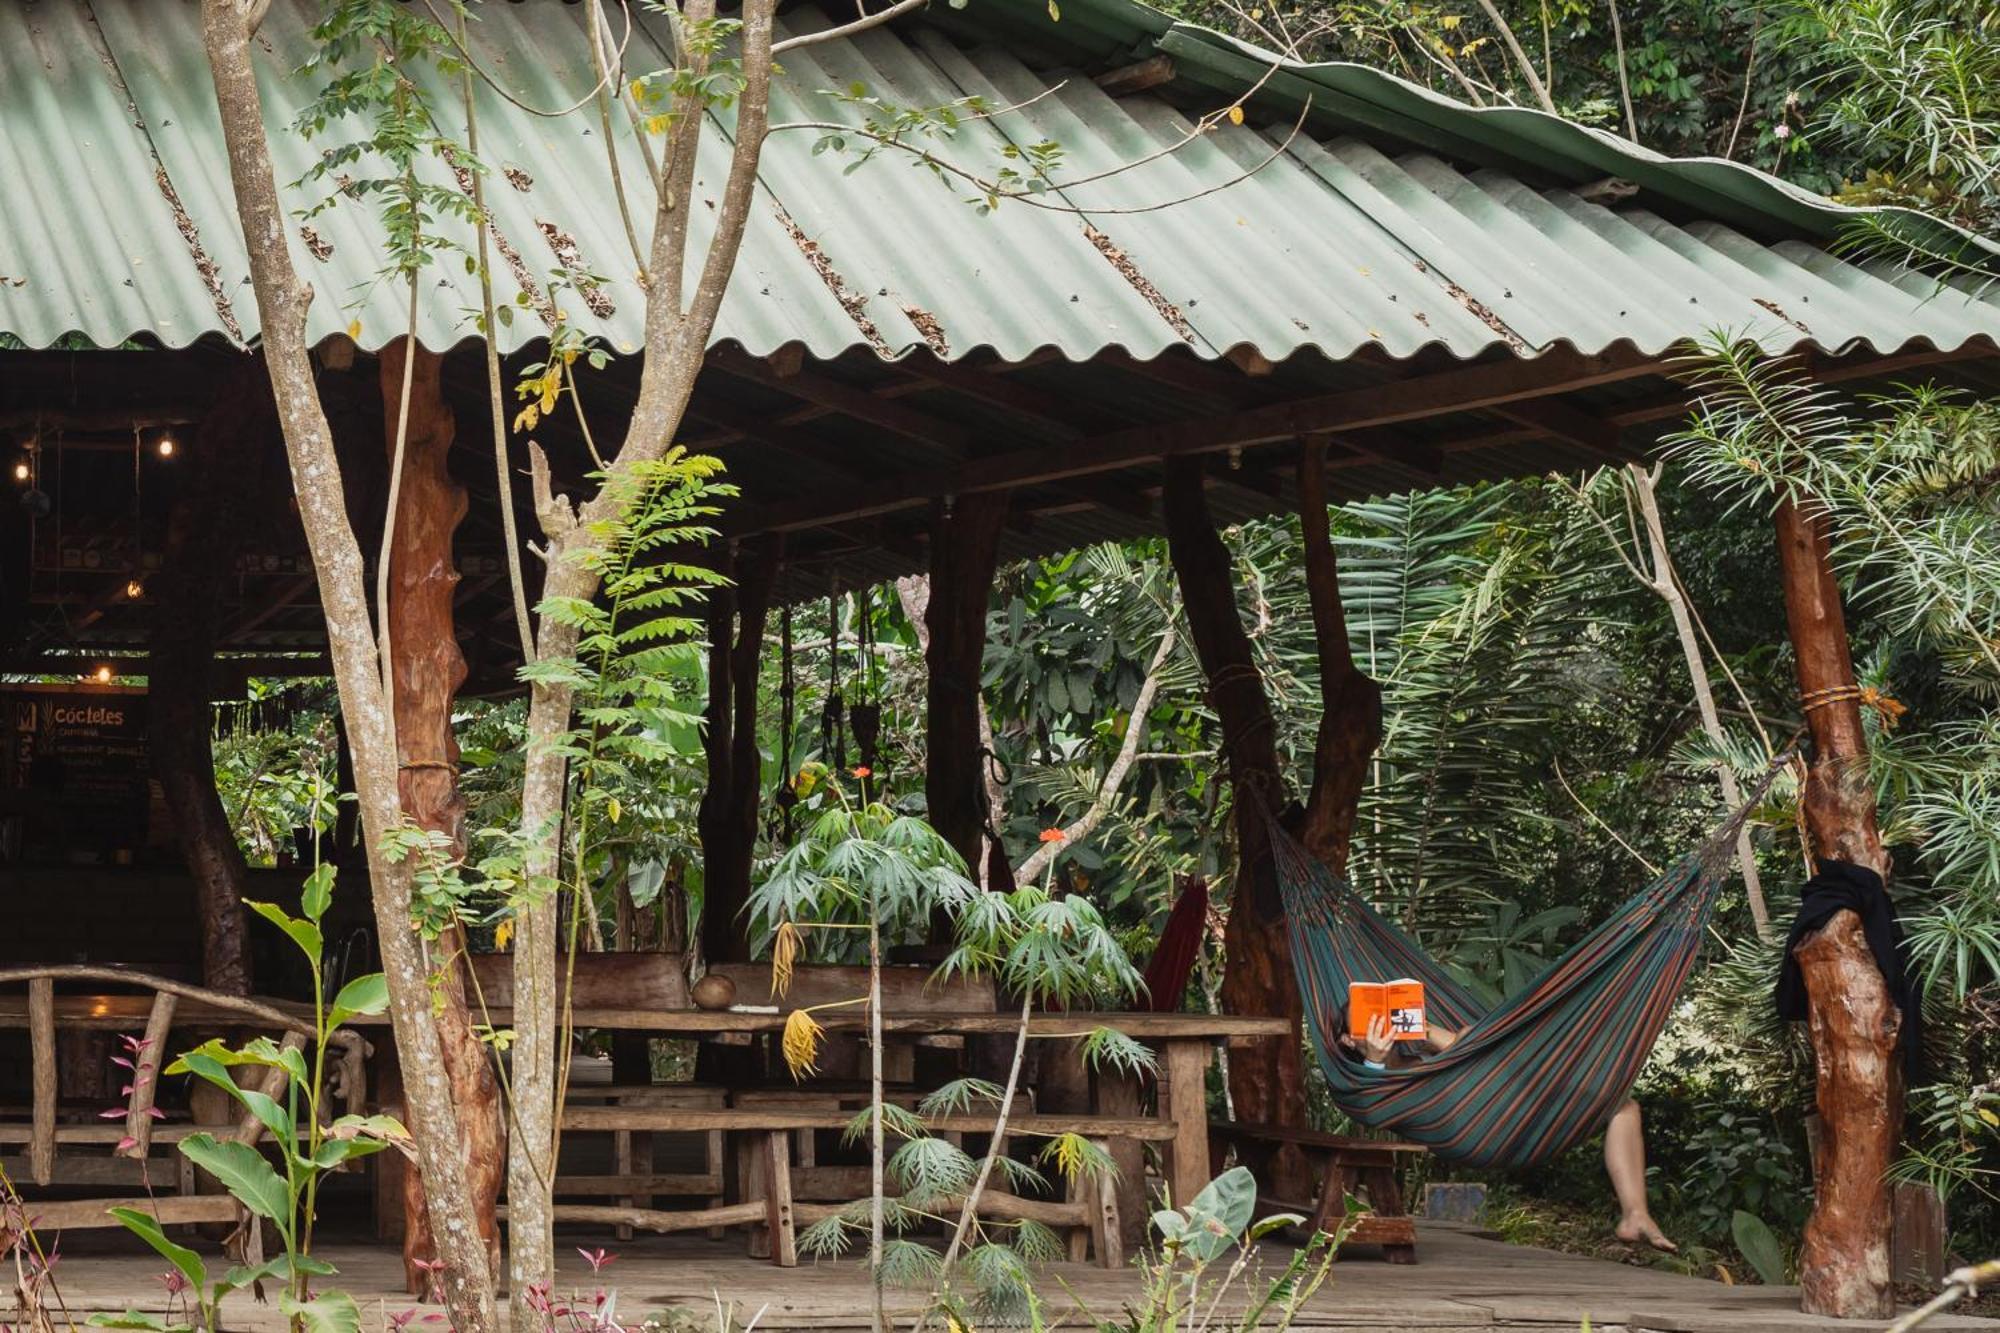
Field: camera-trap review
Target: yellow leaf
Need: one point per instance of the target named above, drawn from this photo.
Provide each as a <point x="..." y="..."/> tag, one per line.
<point x="612" y="808"/>
<point x="527" y="418"/>
<point x="503" y="933"/>
<point x="1450" y="22"/>
<point x="800" y="1043"/>
<point x="1236" y="115"/>
<point x="1989" y="1117"/>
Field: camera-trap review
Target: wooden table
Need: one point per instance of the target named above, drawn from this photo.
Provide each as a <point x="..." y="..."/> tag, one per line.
<point x="1186" y="1043"/>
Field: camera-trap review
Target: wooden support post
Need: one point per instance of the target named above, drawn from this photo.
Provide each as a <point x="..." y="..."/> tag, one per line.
<point x="730" y="805"/>
<point x="1185" y="1101"/>
<point x="778" y="1199"/>
<point x="1853" y="1023"/>
<point x="1267" y="1081"/>
<point x="208" y="524"/>
<point x="42" y="1050"/>
<point x="146" y="1077"/>
<point x="427" y="669"/>
<point x="965" y="547"/>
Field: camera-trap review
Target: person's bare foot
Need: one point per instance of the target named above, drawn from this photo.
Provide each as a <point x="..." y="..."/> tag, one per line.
<point x="1633" y="1230"/>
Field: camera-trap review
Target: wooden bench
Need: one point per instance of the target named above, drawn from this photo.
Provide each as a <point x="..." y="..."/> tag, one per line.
<point x="1347" y="1166"/>
<point x="117" y="1152"/>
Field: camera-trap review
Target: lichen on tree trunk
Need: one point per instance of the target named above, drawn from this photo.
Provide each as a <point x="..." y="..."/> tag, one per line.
<point x="1844" y="1262"/>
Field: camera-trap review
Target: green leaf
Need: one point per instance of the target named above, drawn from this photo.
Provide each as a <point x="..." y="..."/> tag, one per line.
<point x="143" y="1225"/>
<point x="272" y="1116"/>
<point x="303" y="933"/>
<point x="317" y="895"/>
<point x="1760" y="1246"/>
<point x="244" y="1173"/>
<point x="328" y="1312"/>
<point x="1221" y="1212"/>
<point x="363" y="995"/>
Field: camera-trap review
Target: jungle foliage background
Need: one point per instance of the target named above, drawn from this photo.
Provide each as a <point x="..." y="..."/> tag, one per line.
<point x="1541" y="743"/>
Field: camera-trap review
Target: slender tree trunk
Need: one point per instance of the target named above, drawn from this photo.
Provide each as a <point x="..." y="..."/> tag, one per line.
<point x="427" y="670"/>
<point x="965" y="546"/>
<point x="730" y="805"/>
<point x="1844" y="1263"/>
<point x="282" y="301"/>
<point x="1666" y="584"/>
<point x="204" y="534"/>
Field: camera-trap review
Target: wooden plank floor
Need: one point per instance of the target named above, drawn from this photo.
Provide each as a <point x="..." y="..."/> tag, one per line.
<point x="1462" y="1282"/>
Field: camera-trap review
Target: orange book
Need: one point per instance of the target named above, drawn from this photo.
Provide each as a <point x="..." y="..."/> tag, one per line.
<point x="1402" y="1000"/>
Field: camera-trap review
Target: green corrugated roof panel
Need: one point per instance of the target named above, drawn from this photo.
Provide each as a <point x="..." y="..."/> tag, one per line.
<point x="1397" y="219"/>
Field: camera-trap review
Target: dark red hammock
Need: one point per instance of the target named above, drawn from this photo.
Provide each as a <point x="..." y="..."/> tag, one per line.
<point x="1180" y="944"/>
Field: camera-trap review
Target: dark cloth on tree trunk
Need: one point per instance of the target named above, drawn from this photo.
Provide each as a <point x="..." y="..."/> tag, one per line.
<point x="1843" y="886"/>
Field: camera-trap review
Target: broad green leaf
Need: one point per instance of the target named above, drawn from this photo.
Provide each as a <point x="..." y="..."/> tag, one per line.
<point x="328" y="1312"/>
<point x="303" y="933"/>
<point x="1221" y="1212"/>
<point x="272" y="1116"/>
<point x="363" y="995"/>
<point x="244" y="1173"/>
<point x="143" y="1225"/>
<point x="1760" y="1246"/>
<point x="317" y="894"/>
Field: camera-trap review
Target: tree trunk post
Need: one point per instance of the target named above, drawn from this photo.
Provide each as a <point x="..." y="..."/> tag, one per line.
<point x="1844" y="1263"/>
<point x="729" y="807"/>
<point x="427" y="669"/>
<point x="965" y="548"/>
<point x="204" y="533"/>
<point x="1267" y="1080"/>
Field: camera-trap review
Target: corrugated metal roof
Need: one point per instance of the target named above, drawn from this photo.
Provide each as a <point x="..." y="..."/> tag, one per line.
<point x="1400" y="220"/>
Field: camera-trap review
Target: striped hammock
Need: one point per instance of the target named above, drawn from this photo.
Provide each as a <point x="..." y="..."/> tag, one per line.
<point x="1545" y="1067"/>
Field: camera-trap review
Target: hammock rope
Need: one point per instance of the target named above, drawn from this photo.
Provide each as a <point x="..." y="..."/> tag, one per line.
<point x="1545" y="1067"/>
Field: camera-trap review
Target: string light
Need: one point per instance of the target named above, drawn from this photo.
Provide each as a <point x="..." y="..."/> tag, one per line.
<point x="22" y="472"/>
<point x="135" y="590"/>
<point x="102" y="675"/>
<point x="167" y="446"/>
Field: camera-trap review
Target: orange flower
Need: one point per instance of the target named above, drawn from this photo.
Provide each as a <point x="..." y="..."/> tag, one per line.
<point x="864" y="772"/>
<point x="1054" y="835"/>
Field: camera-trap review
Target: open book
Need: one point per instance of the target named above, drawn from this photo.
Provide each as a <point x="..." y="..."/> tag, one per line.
<point x="1402" y="1000"/>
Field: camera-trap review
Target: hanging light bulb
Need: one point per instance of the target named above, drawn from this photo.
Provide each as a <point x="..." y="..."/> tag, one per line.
<point x="23" y="471"/>
<point x="167" y="446"/>
<point x="102" y="675"/>
<point x="135" y="589"/>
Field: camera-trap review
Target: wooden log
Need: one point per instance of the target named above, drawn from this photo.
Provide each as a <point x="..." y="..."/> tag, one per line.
<point x="1920" y="1236"/>
<point x="1105" y="1228"/>
<point x="669" y="1183"/>
<point x="653" y="1219"/>
<point x="146" y="1076"/>
<point x="427" y="668"/>
<point x="1119" y="1095"/>
<point x="171" y="1209"/>
<point x="730" y="804"/>
<point x="965" y="547"/>
<point x="42" y="1049"/>
<point x="1844" y="1267"/>
<point x="992" y="1203"/>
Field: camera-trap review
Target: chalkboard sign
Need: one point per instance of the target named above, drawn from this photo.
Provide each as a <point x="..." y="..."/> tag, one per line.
<point x="75" y="776"/>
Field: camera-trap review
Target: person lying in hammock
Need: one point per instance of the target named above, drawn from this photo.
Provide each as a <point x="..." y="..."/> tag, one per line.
<point x="1624" y="1137"/>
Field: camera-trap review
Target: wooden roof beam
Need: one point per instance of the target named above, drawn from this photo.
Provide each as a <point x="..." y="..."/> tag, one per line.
<point x="825" y="391"/>
<point x="1473" y="388"/>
